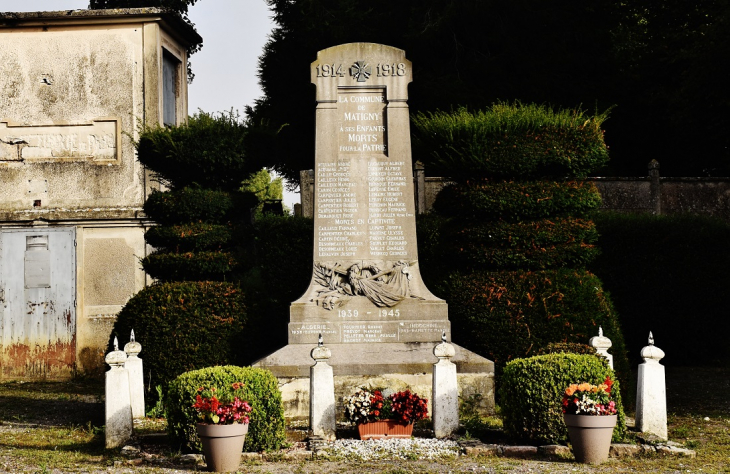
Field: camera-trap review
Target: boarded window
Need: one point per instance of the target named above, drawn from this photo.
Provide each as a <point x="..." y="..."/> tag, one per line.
<point x="37" y="262"/>
<point x="170" y="75"/>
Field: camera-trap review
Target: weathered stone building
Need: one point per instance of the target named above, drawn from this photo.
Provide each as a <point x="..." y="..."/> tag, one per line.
<point x="74" y="88"/>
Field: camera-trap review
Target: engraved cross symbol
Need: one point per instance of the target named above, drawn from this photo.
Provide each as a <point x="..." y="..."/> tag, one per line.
<point x="360" y="71"/>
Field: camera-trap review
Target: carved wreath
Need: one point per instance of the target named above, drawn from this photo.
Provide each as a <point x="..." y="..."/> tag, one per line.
<point x="385" y="288"/>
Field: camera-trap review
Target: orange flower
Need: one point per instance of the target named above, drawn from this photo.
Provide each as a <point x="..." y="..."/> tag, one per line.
<point x="571" y="390"/>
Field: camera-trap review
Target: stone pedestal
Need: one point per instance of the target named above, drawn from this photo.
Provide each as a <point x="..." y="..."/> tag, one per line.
<point x="397" y="366"/>
<point x="133" y="364"/>
<point x="322" y="395"/>
<point x="445" y="403"/>
<point x="118" y="409"/>
<point x="651" y="392"/>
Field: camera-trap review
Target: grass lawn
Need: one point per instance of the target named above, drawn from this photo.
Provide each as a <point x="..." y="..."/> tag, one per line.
<point x="57" y="427"/>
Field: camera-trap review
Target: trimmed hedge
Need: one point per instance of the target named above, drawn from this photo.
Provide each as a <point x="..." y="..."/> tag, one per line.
<point x="183" y="326"/>
<point x="191" y="237"/>
<point x="507" y="141"/>
<point x="515" y="201"/>
<point x="567" y="347"/>
<point x="531" y="394"/>
<point x="435" y="260"/>
<point x="509" y="315"/>
<point x="280" y="271"/>
<point x="189" y="266"/>
<point x="531" y="245"/>
<point x="261" y="389"/>
<point x="663" y="272"/>
<point x="199" y="205"/>
<point x="207" y="151"/>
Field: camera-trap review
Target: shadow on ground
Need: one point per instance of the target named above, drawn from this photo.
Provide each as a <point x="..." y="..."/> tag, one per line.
<point x="52" y="404"/>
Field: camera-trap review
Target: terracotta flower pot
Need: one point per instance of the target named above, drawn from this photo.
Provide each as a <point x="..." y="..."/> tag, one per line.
<point x="385" y="429"/>
<point x="222" y="445"/>
<point x="590" y="436"/>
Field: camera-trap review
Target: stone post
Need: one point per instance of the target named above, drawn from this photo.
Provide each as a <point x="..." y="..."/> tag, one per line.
<point x="445" y="403"/>
<point x="651" y="393"/>
<point x="655" y="187"/>
<point x="420" y="185"/>
<point x="306" y="191"/>
<point x="321" y="394"/>
<point x="118" y="409"/>
<point x="133" y="365"/>
<point x="602" y="345"/>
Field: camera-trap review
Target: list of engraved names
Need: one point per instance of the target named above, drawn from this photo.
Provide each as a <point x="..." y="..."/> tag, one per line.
<point x="361" y="206"/>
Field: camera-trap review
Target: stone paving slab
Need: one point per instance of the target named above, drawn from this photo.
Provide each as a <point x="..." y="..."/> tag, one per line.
<point x="519" y="451"/>
<point x="558" y="451"/>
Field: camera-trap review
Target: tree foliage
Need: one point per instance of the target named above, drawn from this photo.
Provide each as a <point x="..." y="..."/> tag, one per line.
<point x="180" y="6"/>
<point x="209" y="151"/>
<point x="670" y="75"/>
<point x="264" y="187"/>
<point x="659" y="62"/>
<point x="176" y="6"/>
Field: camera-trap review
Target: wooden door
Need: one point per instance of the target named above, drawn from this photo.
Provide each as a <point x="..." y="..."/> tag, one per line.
<point x="37" y="304"/>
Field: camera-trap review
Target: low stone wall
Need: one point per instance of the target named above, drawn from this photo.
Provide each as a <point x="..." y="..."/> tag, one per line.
<point x="656" y="195"/>
<point x="666" y="196"/>
<point x="651" y="194"/>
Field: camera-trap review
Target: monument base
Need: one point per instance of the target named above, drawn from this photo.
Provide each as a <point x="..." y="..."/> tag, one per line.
<point x="395" y="366"/>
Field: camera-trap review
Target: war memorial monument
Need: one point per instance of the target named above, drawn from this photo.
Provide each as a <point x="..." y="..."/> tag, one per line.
<point x="366" y="296"/>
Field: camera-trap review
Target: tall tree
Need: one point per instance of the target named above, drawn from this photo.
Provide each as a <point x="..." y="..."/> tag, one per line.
<point x="464" y="52"/>
<point x="671" y="55"/>
<point x="663" y="75"/>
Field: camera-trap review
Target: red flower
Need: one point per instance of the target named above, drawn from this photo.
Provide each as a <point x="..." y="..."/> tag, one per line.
<point x="226" y="410"/>
<point x="609" y="383"/>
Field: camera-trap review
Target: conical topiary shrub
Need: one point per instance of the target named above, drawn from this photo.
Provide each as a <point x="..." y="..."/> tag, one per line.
<point x="195" y="313"/>
<point x="517" y="232"/>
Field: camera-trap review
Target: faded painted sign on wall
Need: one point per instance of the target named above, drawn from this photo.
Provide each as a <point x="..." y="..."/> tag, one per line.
<point x="98" y="141"/>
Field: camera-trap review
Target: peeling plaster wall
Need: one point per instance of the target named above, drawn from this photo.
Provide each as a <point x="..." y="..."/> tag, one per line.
<point x="70" y="76"/>
<point x="109" y="274"/>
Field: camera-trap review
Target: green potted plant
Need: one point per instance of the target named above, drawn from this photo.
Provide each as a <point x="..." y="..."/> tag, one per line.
<point x="590" y="416"/>
<point x="223" y="424"/>
<point x="378" y="416"/>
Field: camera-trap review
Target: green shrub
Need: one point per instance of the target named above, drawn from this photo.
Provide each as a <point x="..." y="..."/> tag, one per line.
<point x="198" y="205"/>
<point x="183" y="326"/>
<point x="189" y="266"/>
<point x="279" y="273"/>
<point x="531" y="394"/>
<point x="284" y="253"/>
<point x="191" y="237"/>
<point x="567" y="347"/>
<point x="508" y="315"/>
<point x="515" y="201"/>
<point x="434" y="257"/>
<point x="207" y="151"/>
<point x="530" y="245"/>
<point x="663" y="272"/>
<point x="508" y="141"/>
<point x="261" y="389"/>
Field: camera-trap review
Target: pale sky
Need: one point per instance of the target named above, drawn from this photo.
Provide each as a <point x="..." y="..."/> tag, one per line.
<point x="234" y="33"/>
